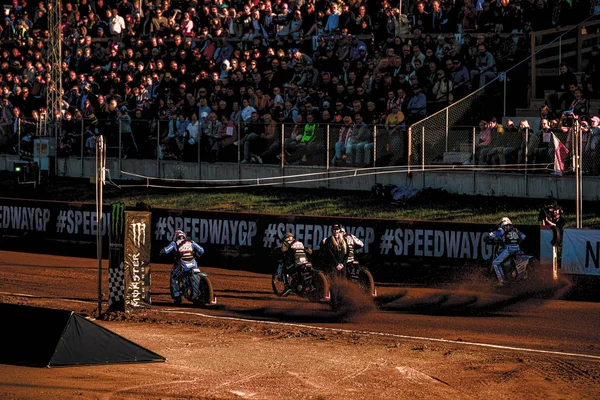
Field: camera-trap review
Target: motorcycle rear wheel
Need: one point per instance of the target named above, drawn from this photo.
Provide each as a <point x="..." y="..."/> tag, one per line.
<point x="206" y="292"/>
<point x="321" y="286"/>
<point x="366" y="283"/>
<point x="510" y="271"/>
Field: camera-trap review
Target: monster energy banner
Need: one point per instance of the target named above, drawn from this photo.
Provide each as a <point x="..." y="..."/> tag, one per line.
<point x="137" y="260"/>
<point x="116" y="275"/>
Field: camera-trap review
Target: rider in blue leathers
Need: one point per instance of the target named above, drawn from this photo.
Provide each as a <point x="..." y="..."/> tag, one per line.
<point x="186" y="260"/>
<point x="511" y="237"/>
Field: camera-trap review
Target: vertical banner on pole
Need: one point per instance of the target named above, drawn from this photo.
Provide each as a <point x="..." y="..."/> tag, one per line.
<point x="116" y="273"/>
<point x="137" y="260"/>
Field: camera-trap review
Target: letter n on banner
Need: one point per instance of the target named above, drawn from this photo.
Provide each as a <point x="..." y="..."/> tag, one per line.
<point x="137" y="260"/>
<point x="116" y="274"/>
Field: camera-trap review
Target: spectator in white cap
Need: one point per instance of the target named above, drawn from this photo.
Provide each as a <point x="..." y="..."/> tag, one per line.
<point x="591" y="155"/>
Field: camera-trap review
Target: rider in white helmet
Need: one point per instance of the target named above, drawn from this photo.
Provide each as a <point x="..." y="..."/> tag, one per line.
<point x="186" y="260"/>
<point x="511" y="237"/>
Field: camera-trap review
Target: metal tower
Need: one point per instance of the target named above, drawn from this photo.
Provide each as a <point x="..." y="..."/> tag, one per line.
<point x="54" y="59"/>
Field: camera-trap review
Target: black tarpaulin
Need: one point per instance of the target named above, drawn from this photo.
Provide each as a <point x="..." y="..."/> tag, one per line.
<point x="55" y="338"/>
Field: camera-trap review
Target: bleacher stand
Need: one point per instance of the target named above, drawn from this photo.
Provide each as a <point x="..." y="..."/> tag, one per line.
<point x="179" y="79"/>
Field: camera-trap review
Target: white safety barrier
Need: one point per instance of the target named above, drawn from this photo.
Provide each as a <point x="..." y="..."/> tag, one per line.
<point x="581" y="252"/>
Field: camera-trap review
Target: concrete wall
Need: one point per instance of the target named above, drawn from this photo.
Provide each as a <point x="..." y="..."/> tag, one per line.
<point x="454" y="181"/>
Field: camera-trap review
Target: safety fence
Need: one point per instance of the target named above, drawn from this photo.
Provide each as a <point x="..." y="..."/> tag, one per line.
<point x="245" y="240"/>
<point x="427" y="145"/>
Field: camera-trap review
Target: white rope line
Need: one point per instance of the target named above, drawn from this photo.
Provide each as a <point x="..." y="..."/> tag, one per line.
<point x="392" y="335"/>
<point x="247" y="179"/>
<point x="353" y="173"/>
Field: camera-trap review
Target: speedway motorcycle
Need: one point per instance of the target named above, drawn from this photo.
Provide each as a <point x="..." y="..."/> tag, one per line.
<point x="517" y="266"/>
<point x="196" y="288"/>
<point x="304" y="281"/>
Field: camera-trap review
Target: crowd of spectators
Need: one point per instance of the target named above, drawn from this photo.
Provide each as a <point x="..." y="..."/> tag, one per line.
<point x="185" y="79"/>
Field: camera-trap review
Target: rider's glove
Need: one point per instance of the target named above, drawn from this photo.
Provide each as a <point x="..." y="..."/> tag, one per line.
<point x="340" y="266"/>
<point x="162" y="252"/>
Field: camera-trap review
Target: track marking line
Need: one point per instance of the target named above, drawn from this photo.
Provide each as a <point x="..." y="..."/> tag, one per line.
<point x="392" y="335"/>
<point x="304" y="380"/>
<point x="233" y="382"/>
<point x="353" y="375"/>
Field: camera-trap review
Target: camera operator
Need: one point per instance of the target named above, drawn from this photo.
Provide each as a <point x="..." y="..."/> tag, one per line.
<point x="552" y="216"/>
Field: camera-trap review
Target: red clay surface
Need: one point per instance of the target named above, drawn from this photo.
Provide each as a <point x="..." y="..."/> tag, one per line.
<point x="462" y="341"/>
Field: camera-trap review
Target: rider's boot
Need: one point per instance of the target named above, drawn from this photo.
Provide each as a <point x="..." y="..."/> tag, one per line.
<point x="177" y="300"/>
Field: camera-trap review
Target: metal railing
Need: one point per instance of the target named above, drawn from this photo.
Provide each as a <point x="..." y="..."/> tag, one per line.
<point x="379" y="146"/>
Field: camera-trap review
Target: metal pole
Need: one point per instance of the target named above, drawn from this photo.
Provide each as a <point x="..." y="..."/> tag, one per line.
<point x="526" y="158"/>
<point x="409" y="150"/>
<point x="100" y="168"/>
<point x="447" y="129"/>
<point x="474" y="155"/>
<point x="282" y="146"/>
<point x="423" y="157"/>
<point x="375" y="149"/>
<point x="578" y="173"/>
<point x="158" y="148"/>
<point x="19" y="137"/>
<point x="81" y="148"/>
<point x="120" y="148"/>
<point x="575" y="141"/>
<point x="504" y="83"/>
<point x="580" y="178"/>
<point x="239" y="144"/>
<point x="328" y="147"/>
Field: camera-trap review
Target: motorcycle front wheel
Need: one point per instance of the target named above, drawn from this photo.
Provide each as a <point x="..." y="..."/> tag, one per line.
<point x="277" y="284"/>
<point x="366" y="283"/>
<point x="321" y="287"/>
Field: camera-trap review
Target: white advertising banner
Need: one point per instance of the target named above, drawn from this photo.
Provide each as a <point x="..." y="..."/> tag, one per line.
<point x="581" y="252"/>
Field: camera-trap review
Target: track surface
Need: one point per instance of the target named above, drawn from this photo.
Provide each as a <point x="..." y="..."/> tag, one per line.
<point x="464" y="340"/>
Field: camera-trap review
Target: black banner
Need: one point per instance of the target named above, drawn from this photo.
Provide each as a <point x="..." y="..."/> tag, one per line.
<point x="51" y="220"/>
<point x="137" y="260"/>
<point x="244" y="240"/>
<point x="239" y="239"/>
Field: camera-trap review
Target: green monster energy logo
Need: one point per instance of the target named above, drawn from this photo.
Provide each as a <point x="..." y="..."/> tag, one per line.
<point x="117" y="220"/>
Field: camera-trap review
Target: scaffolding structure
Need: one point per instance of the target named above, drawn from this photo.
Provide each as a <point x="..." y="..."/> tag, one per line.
<point x="54" y="84"/>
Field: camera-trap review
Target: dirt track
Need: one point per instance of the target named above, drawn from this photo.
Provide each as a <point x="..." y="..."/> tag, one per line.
<point x="414" y="343"/>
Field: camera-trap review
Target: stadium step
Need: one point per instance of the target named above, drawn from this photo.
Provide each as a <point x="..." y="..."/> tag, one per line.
<point x="527" y="112"/>
<point x="536" y="104"/>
